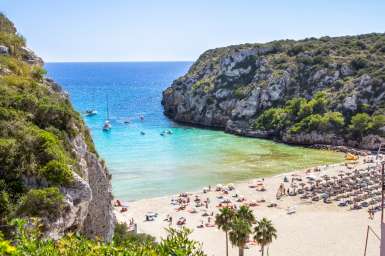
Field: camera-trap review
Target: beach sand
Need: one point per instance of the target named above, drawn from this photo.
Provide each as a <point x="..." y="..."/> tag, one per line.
<point x="316" y="229"/>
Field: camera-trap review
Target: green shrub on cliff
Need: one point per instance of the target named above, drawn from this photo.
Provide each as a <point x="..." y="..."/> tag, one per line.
<point x="46" y="202"/>
<point x="362" y="124"/>
<point x="37" y="125"/>
<point x="242" y="92"/>
<point x="13" y="41"/>
<point x="38" y="73"/>
<point x="57" y="173"/>
<point x="272" y="119"/>
<point x="328" y="122"/>
<point x="378" y="122"/>
<point x="301" y="115"/>
<point x="4" y="203"/>
<point x="359" y="62"/>
<point x="6" y="25"/>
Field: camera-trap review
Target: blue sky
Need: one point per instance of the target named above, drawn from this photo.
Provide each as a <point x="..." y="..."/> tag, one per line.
<point x="117" y="30"/>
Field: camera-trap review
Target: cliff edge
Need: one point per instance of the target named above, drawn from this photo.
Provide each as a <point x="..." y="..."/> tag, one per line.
<point x="313" y="91"/>
<point x="49" y="168"/>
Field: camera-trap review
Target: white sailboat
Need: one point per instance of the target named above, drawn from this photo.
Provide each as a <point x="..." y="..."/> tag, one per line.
<point x="107" y="125"/>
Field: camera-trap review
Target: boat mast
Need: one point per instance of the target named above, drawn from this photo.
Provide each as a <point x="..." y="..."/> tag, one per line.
<point x="108" y="114"/>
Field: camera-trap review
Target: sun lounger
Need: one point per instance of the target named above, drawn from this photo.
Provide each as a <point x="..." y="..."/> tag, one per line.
<point x="291" y="210"/>
<point x="181" y="221"/>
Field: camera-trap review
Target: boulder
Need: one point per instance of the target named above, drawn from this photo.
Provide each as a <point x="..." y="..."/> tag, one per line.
<point x="4" y="50"/>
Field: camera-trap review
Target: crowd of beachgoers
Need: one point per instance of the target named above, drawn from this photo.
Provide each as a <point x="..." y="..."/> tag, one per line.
<point x="351" y="190"/>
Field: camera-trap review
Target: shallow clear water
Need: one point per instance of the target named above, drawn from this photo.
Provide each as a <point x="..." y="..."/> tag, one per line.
<point x="152" y="165"/>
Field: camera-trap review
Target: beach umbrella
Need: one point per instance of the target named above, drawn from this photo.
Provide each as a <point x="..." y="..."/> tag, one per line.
<point x="219" y="187"/>
<point x="311" y="177"/>
<point x="226" y="200"/>
<point x="230" y="185"/>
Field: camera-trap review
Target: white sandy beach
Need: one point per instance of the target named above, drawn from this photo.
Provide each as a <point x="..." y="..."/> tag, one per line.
<point x="316" y="229"/>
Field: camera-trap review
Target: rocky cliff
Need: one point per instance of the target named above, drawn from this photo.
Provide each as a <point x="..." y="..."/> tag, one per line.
<point x="49" y="168"/>
<point x="313" y="91"/>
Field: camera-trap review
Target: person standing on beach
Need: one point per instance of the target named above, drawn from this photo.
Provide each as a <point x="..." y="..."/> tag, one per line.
<point x="371" y="213"/>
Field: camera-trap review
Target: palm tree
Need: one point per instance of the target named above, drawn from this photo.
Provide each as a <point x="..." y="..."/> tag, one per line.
<point x="245" y="213"/>
<point x="223" y="220"/>
<point x="265" y="232"/>
<point x="239" y="233"/>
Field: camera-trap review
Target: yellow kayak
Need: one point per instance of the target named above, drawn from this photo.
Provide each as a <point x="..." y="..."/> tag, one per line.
<point x="350" y="156"/>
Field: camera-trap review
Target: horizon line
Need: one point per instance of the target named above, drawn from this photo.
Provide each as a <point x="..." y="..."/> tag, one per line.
<point x="119" y="61"/>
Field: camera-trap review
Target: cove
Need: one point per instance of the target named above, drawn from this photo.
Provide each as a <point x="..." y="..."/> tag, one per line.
<point x="151" y="165"/>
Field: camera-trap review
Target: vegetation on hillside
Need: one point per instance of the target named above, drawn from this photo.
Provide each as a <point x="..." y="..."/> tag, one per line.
<point x="37" y="123"/>
<point x="333" y="85"/>
<point x="301" y="115"/>
<point x="364" y="54"/>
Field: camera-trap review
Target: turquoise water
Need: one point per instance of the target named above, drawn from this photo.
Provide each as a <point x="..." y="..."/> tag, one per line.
<point x="151" y="165"/>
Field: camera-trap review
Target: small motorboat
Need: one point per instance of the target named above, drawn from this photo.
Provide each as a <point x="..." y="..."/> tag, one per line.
<point x="168" y="131"/>
<point x="107" y="126"/>
<point x="90" y="112"/>
<point x="142" y="133"/>
<point x="162" y="134"/>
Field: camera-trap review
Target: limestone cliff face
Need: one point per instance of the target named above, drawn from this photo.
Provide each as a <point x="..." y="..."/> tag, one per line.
<point x="231" y="87"/>
<point x="88" y="198"/>
<point x="100" y="219"/>
<point x="47" y="157"/>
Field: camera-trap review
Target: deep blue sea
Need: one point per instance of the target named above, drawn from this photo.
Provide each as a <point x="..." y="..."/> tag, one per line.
<point x="152" y="165"/>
